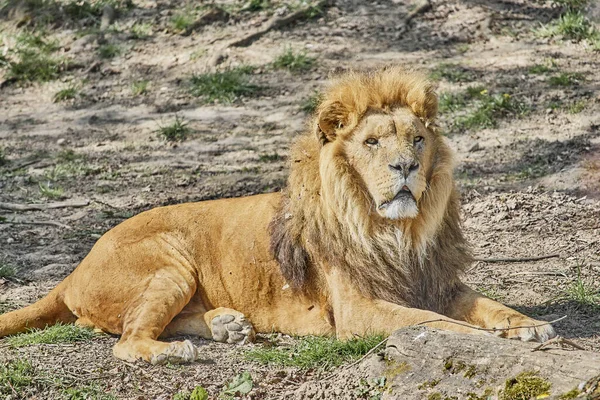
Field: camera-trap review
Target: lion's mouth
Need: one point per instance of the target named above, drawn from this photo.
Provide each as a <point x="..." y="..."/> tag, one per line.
<point x="403" y="195"/>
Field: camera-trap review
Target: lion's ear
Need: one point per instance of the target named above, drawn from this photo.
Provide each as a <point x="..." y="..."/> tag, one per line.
<point x="332" y="116"/>
<point x="423" y="101"/>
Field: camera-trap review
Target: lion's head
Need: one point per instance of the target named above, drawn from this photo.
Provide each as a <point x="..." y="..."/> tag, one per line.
<point x="371" y="190"/>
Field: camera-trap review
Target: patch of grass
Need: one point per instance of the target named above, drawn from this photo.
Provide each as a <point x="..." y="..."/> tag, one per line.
<point x="7" y="271"/>
<point x="87" y="393"/>
<point x="181" y="22"/>
<point x="566" y="79"/>
<point x="310" y="103"/>
<point x="571" y="394"/>
<point x="50" y="192"/>
<point x="582" y="292"/>
<point x="223" y="86"/>
<point x="526" y="385"/>
<point x="141" y="31"/>
<point x="293" y="62"/>
<point x="577" y="107"/>
<point x="572" y="25"/>
<point x="548" y="66"/>
<point x="571" y="4"/>
<point x="449" y="102"/>
<point x="68" y="93"/>
<point x="139" y="88"/>
<point x="256" y="5"/>
<point x="451" y="72"/>
<point x="268" y="158"/>
<point x="488" y="109"/>
<point x="109" y="50"/>
<point x="314" y="352"/>
<point x="59" y="333"/>
<point x="31" y="59"/>
<point x="16" y="375"/>
<point x="177" y="131"/>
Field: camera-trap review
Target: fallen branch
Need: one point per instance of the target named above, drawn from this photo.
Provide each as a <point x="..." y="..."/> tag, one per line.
<point x="490" y="329"/>
<point x="515" y="260"/>
<point x="254" y="35"/>
<point x="42" y="207"/>
<point x="420" y="8"/>
<point x="557" y="340"/>
<point x="4" y="220"/>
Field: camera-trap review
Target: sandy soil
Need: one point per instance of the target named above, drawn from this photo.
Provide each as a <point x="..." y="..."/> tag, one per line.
<point x="530" y="185"/>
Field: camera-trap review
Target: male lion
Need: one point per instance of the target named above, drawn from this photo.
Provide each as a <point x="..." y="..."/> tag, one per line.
<point x="365" y="239"/>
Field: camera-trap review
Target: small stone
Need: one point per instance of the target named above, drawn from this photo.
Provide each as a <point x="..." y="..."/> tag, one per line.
<point x="10" y="240"/>
<point x="61" y="141"/>
<point x="475" y="147"/>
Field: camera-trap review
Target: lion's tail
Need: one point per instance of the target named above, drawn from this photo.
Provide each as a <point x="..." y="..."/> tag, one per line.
<point x="47" y="311"/>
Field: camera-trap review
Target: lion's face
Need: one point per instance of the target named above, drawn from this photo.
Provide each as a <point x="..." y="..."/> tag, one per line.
<point x="391" y="153"/>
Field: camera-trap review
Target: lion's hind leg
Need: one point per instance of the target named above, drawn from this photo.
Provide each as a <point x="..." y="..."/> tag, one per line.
<point x="229" y="326"/>
<point x="165" y="296"/>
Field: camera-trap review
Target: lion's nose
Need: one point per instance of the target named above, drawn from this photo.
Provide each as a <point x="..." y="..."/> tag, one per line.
<point x="405" y="167"/>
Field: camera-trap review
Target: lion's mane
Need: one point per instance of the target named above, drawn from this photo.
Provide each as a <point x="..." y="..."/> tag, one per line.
<point x="325" y="219"/>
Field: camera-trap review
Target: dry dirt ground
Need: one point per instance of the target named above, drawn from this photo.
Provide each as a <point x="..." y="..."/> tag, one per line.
<point x="530" y="180"/>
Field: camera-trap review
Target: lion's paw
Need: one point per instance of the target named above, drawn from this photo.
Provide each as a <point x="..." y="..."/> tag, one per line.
<point x="531" y="330"/>
<point x="228" y="328"/>
<point x="176" y="353"/>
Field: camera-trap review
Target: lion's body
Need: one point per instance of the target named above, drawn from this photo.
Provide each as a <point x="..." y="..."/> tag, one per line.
<point x="365" y="239"/>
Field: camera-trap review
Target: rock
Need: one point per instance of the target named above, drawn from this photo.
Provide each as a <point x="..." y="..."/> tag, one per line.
<point x="108" y="17"/>
<point x="475" y="147"/>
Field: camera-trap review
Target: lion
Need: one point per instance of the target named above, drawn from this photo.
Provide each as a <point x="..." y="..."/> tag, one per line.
<point x="365" y="239"/>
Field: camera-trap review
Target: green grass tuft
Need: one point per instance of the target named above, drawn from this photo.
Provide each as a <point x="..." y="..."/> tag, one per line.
<point x="572" y="25"/>
<point x="314" y="352"/>
<point x="68" y="93"/>
<point x="256" y="5"/>
<point x="223" y="86"/>
<point x="577" y="107"/>
<point x="310" y="104"/>
<point x="488" y="109"/>
<point x="139" y="88"/>
<point x="451" y="72"/>
<point x="59" y="333"/>
<point x="177" y="131"/>
<point x="582" y="293"/>
<point x="566" y="79"/>
<point x="48" y="191"/>
<point x="141" y="31"/>
<point x="181" y="22"/>
<point x="293" y="62"/>
<point x="15" y="375"/>
<point x="268" y="158"/>
<point x="7" y="271"/>
<point x="31" y="59"/>
<point x="87" y="393"/>
<point x="109" y="50"/>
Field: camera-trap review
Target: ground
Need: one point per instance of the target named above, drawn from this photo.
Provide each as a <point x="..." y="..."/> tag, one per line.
<point x="128" y="117"/>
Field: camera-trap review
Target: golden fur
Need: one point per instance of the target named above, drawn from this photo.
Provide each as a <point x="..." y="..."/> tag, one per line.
<point x="366" y="238"/>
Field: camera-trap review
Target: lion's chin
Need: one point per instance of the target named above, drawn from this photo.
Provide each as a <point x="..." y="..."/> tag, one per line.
<point x="400" y="207"/>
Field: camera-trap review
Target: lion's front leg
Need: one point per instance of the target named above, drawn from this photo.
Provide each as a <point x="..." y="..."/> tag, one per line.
<point x="355" y="314"/>
<point x="480" y="310"/>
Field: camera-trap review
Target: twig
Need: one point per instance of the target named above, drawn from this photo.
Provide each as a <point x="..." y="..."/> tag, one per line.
<point x="515" y="260"/>
<point x="368" y="353"/>
<point x="42" y="207"/>
<point x="557" y="340"/>
<point x="419" y="9"/>
<point x="252" y="36"/>
<point x="4" y="220"/>
<point x="24" y="164"/>
<point x="491" y="329"/>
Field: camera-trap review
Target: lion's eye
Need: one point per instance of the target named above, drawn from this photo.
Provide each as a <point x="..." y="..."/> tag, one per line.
<point x="371" y="141"/>
<point x="418" y="139"/>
